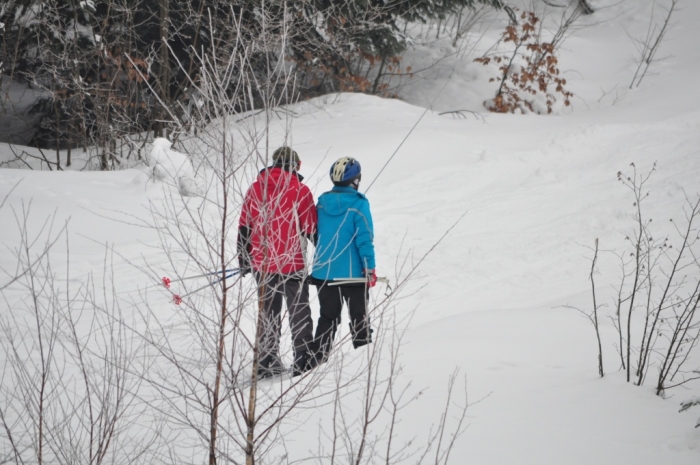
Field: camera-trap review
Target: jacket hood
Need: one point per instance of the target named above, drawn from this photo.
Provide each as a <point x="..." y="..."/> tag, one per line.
<point x="281" y="170"/>
<point x="274" y="177"/>
<point x="338" y="200"/>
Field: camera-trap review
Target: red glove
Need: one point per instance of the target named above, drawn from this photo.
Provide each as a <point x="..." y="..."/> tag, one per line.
<point x="371" y="276"/>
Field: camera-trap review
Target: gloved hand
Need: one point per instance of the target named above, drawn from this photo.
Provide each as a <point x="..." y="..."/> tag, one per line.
<point x="243" y="249"/>
<point x="371" y="276"/>
<point x="244" y="266"/>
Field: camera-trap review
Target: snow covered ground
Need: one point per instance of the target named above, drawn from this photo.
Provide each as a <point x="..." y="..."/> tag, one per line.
<point x="536" y="190"/>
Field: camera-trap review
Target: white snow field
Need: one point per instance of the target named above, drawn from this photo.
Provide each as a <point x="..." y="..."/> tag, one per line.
<point x="490" y="298"/>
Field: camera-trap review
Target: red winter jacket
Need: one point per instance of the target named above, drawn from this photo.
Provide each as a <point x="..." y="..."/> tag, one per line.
<point x="277" y="211"/>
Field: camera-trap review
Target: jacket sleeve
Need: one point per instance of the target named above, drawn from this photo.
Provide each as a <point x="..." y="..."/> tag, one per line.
<point x="246" y="213"/>
<point x="243" y="247"/>
<point x="308" y="216"/>
<point x="245" y="228"/>
<point x="364" y="237"/>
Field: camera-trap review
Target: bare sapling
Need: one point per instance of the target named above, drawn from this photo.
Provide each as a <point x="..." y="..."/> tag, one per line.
<point x="67" y="392"/>
<point x="681" y="310"/>
<point x="636" y="183"/>
<point x="467" y="19"/>
<point x="567" y="21"/>
<point x="592" y="315"/>
<point x="659" y="296"/>
<point x="619" y="301"/>
<point x="669" y="283"/>
<point x="656" y="302"/>
<point x="601" y="372"/>
<point x="444" y="437"/>
<point x="649" y="45"/>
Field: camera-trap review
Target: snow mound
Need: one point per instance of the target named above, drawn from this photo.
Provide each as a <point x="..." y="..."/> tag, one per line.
<point x="172" y="167"/>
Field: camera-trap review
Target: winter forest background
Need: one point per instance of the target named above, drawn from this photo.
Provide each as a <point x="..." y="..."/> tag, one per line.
<point x="532" y="168"/>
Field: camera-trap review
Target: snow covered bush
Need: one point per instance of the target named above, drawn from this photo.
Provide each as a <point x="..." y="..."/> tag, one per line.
<point x="528" y="72"/>
<point x="172" y="167"/>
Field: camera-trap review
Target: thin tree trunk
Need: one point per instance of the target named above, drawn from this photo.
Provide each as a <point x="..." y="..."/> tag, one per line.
<point x="57" y="113"/>
<point x="164" y="68"/>
<point x="629" y="313"/>
<point x="379" y="76"/>
<point x="595" y="314"/>
<point x="505" y="74"/>
<point x="635" y="285"/>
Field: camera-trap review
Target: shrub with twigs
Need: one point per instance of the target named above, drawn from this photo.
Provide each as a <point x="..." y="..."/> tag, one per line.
<point x="529" y="76"/>
<point x="656" y="304"/>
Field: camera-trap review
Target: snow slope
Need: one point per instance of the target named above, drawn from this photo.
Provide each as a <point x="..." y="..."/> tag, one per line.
<point x="536" y="192"/>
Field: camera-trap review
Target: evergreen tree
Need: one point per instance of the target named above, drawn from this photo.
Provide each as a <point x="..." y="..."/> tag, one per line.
<point x="115" y="67"/>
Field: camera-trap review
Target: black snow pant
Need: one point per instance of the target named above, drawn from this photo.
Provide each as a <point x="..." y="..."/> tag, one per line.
<point x="272" y="290"/>
<point x="331" y="299"/>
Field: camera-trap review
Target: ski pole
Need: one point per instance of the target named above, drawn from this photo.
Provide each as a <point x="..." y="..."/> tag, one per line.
<point x="341" y="281"/>
<point x="177" y="299"/>
<point x="411" y="131"/>
<point x="167" y="281"/>
<point x="397" y="149"/>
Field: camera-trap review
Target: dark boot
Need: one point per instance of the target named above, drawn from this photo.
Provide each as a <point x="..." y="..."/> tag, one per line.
<point x="314" y="357"/>
<point x="361" y="337"/>
<point x="270" y="366"/>
<point x="301" y="363"/>
<point x="325" y="333"/>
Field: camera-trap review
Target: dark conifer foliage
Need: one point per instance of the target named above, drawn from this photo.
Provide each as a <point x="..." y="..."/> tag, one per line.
<point x="117" y="67"/>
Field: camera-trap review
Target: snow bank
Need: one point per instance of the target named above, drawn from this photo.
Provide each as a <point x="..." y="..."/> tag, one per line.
<point x="172" y="167"/>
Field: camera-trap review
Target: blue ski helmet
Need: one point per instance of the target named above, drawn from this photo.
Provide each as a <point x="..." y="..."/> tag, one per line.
<point x="345" y="171"/>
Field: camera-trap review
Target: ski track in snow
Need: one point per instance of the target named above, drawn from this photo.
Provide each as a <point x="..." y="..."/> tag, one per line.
<point x="537" y="190"/>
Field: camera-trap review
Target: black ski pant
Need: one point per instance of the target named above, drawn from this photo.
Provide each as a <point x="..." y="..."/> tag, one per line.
<point x="273" y="289"/>
<point x="331" y="299"/>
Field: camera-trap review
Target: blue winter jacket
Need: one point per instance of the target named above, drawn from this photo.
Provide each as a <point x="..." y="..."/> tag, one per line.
<point x="344" y="248"/>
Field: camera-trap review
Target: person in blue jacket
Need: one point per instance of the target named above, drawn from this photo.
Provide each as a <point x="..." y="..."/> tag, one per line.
<point x="344" y="265"/>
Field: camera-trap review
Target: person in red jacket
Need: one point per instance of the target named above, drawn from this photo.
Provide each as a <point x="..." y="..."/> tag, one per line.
<point x="277" y="217"/>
